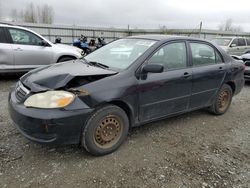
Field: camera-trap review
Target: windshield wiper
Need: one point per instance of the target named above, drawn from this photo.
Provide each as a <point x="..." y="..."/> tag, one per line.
<point x="94" y="63"/>
<point x="98" y="64"/>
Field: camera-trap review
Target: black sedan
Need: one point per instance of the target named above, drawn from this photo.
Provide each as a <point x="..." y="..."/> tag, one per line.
<point x="129" y="82"/>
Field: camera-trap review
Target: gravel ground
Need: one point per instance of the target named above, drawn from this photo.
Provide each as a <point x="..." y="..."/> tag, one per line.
<point x="192" y="150"/>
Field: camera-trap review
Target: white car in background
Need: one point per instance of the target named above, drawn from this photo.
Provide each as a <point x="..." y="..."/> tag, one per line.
<point x="22" y="50"/>
<point x="233" y="45"/>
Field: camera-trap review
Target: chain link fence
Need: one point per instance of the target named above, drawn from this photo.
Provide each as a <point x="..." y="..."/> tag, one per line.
<point x="69" y="33"/>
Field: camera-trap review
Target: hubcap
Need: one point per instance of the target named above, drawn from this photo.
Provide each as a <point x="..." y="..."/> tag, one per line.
<point x="224" y="100"/>
<point x="108" y="131"/>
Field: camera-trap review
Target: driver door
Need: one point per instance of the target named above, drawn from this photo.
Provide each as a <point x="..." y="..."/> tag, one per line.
<point x="169" y="92"/>
<point x="28" y="51"/>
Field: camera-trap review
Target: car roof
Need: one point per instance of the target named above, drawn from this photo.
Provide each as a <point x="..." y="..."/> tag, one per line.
<point x="23" y="28"/>
<point x="151" y="37"/>
<point x="13" y="26"/>
<point x="229" y="37"/>
<point x="165" y="37"/>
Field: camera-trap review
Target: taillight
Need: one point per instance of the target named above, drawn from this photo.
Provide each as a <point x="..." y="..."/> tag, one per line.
<point x="244" y="67"/>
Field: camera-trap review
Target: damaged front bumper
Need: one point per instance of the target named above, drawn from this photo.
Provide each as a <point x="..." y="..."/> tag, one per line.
<point x="48" y="126"/>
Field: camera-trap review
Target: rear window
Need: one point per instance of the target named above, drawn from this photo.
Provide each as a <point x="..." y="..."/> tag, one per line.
<point x="222" y="41"/>
<point x="241" y="42"/>
<point x="203" y="54"/>
<point x="2" y="36"/>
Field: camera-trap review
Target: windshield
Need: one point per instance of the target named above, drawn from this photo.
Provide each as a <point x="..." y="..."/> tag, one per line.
<point x="222" y="41"/>
<point x="120" y="54"/>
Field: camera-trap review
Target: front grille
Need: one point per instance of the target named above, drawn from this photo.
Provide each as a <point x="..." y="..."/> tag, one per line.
<point x="21" y="92"/>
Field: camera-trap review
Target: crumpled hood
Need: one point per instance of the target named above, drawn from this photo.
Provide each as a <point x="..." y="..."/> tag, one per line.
<point x="58" y="75"/>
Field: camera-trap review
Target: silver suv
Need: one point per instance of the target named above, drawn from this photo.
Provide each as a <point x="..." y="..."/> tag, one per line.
<point x="22" y="49"/>
<point x="233" y="45"/>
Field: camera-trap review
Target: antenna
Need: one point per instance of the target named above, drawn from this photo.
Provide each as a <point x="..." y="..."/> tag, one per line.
<point x="200" y="29"/>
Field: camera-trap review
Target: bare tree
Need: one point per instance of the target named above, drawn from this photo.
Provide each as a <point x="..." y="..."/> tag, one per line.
<point x="162" y="29"/>
<point x="14" y="15"/>
<point x="32" y="14"/>
<point x="38" y="13"/>
<point x="20" y="16"/>
<point x="47" y="14"/>
<point x="228" y="26"/>
<point x="29" y="14"/>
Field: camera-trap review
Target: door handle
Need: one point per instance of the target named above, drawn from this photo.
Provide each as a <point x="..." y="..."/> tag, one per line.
<point x="221" y="69"/>
<point x="186" y="75"/>
<point x="18" y="49"/>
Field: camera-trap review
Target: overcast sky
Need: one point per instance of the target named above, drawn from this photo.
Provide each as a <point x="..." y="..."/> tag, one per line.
<point x="142" y="13"/>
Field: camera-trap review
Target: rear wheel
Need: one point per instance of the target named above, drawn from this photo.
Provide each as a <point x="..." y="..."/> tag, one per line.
<point x="105" y="130"/>
<point x="222" y="101"/>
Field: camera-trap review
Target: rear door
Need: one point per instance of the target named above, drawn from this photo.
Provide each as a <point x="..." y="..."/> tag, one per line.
<point x="28" y="51"/>
<point x="6" y="52"/>
<point x="208" y="70"/>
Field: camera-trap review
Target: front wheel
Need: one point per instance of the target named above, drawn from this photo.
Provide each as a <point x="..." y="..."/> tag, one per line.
<point x="222" y="101"/>
<point x="105" y="130"/>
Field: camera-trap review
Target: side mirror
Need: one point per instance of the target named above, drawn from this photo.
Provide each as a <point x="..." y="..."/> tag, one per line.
<point x="44" y="43"/>
<point x="233" y="45"/>
<point x="153" y="68"/>
<point x="247" y="63"/>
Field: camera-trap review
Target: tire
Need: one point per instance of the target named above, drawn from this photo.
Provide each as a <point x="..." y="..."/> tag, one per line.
<point x="65" y="59"/>
<point x="105" y="130"/>
<point x="222" y="101"/>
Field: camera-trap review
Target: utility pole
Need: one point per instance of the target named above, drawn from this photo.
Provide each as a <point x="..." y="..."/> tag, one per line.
<point x="128" y="30"/>
<point x="0" y="10"/>
<point x="200" y="29"/>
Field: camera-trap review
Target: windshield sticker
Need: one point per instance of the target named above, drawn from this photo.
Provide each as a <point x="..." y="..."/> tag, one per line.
<point x="145" y="43"/>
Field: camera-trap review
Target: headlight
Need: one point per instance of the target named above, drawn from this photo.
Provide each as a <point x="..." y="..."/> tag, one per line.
<point x="50" y="99"/>
<point x="79" y="51"/>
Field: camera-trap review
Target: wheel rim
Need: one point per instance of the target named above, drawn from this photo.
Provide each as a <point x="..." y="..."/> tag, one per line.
<point x="224" y="100"/>
<point x="108" y="131"/>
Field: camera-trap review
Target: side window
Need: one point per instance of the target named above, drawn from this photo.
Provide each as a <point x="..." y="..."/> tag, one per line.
<point x="24" y="37"/>
<point x="248" y="42"/>
<point x="202" y="54"/>
<point x="218" y="57"/>
<point x="242" y="42"/>
<point x="235" y="42"/>
<point x="2" y="36"/>
<point x="172" y="56"/>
